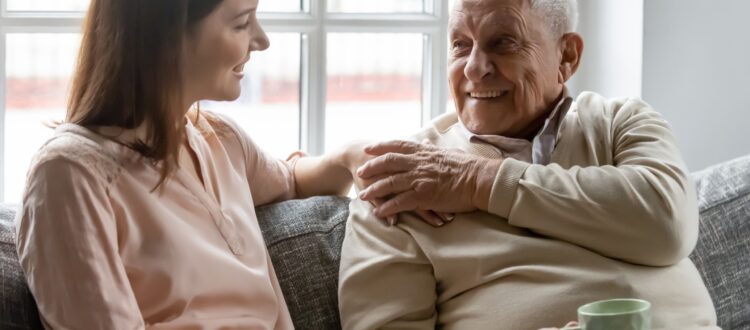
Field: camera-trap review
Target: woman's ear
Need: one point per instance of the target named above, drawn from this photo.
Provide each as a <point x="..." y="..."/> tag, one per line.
<point x="571" y="49"/>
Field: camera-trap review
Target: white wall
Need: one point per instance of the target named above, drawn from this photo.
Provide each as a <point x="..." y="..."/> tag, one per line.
<point x="696" y="71"/>
<point x="690" y="59"/>
<point x="613" y="47"/>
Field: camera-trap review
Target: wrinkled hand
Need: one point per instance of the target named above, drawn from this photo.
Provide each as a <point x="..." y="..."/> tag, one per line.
<point x="412" y="176"/>
<point x="354" y="156"/>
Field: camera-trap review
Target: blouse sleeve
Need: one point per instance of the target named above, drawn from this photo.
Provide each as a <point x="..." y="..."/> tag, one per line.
<point x="67" y="247"/>
<point x="271" y="179"/>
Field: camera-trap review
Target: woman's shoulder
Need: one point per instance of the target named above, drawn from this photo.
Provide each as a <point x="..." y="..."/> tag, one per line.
<point x="219" y="123"/>
<point x="76" y="148"/>
<point x="226" y="129"/>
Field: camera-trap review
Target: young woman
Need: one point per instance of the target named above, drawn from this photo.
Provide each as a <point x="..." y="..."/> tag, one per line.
<point x="139" y="213"/>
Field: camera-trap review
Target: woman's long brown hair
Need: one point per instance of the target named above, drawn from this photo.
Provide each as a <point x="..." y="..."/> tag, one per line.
<point x="128" y="71"/>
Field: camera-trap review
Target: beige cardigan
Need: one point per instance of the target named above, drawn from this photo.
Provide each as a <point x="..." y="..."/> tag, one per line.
<point x="613" y="215"/>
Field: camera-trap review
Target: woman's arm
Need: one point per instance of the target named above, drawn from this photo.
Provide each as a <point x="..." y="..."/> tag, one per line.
<point x="330" y="174"/>
<point x="67" y="247"/>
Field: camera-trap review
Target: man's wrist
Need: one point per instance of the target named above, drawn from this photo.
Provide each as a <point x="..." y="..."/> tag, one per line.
<point x="485" y="179"/>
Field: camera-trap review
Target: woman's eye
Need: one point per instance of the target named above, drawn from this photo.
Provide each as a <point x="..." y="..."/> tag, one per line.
<point x="243" y="26"/>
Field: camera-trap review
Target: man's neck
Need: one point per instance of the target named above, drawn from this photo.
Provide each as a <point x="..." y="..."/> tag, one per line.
<point x="532" y="130"/>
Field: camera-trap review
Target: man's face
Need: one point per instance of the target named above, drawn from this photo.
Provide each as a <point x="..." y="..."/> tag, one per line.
<point x="504" y="66"/>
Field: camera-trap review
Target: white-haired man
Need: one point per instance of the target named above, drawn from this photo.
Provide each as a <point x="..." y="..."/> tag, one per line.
<point x="558" y="202"/>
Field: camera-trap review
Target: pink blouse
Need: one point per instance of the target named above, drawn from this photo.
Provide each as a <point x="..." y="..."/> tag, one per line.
<point x="101" y="251"/>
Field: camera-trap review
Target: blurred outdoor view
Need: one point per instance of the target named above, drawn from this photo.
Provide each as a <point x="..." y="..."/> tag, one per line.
<point x="374" y="84"/>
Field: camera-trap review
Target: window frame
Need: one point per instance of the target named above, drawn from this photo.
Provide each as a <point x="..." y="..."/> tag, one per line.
<point x="313" y="24"/>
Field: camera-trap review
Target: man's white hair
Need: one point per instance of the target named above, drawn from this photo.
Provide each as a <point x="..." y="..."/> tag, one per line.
<point x="561" y="16"/>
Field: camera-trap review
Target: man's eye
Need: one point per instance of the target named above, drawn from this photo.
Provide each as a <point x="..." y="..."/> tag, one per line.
<point x="505" y="42"/>
<point x="459" y="45"/>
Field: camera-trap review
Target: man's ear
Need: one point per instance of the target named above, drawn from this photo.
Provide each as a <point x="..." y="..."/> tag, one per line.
<point x="571" y="47"/>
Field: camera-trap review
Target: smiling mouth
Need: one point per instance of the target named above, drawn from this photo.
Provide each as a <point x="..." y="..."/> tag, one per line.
<point x="487" y="95"/>
<point x="240" y="69"/>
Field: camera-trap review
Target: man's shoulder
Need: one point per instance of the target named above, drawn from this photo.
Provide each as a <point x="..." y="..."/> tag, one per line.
<point x="442" y="131"/>
<point x="590" y="106"/>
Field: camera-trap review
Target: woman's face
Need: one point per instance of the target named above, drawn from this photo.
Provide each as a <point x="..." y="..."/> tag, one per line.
<point x="217" y="50"/>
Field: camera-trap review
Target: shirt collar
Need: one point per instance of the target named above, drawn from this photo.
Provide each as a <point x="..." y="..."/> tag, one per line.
<point x="537" y="151"/>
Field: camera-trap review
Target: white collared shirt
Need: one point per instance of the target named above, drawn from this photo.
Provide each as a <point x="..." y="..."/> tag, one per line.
<point x="538" y="151"/>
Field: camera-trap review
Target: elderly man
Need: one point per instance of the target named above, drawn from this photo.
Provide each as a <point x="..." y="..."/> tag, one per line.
<point x="558" y="202"/>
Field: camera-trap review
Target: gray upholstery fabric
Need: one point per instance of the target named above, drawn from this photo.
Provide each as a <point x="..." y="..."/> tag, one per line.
<point x="304" y="240"/>
<point x="17" y="308"/>
<point x="723" y="251"/>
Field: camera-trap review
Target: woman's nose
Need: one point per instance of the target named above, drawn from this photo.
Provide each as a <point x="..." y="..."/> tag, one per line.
<point x="258" y="38"/>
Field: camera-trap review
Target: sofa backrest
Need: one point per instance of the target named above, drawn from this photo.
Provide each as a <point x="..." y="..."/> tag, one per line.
<point x="304" y="239"/>
<point x="17" y="308"/>
<point x="723" y="251"/>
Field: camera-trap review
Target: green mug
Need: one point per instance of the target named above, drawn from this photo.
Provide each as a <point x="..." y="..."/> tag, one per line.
<point x="614" y="314"/>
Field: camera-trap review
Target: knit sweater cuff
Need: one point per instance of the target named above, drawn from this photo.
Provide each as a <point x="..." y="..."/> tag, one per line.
<point x="505" y="186"/>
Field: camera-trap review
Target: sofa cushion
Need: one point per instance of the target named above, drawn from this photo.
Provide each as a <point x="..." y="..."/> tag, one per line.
<point x="304" y="240"/>
<point x="17" y="308"/>
<point x="723" y="251"/>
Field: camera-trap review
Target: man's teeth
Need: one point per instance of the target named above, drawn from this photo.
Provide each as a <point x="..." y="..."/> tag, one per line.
<point x="485" y="95"/>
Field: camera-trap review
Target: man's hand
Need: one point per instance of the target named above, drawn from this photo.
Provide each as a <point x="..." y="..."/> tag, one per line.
<point x="353" y="156"/>
<point x="411" y="176"/>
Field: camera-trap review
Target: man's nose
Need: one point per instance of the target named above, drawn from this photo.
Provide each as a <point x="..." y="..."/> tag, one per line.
<point x="479" y="66"/>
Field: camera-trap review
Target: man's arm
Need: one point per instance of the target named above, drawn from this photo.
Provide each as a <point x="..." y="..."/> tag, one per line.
<point x="641" y="209"/>
<point x="385" y="280"/>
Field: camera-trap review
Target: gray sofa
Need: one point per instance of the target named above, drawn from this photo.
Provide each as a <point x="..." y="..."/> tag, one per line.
<point x="304" y="239"/>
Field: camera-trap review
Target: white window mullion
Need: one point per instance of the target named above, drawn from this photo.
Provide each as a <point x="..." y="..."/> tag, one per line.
<point x="314" y="83"/>
<point x="3" y="14"/>
<point x="439" y="53"/>
<point x="428" y="77"/>
<point x="2" y="107"/>
<point x="435" y="86"/>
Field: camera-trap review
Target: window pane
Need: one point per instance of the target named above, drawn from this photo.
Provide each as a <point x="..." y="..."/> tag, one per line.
<point x="39" y="67"/>
<point x="374" y="87"/>
<point x="281" y="6"/>
<point x="48" y="5"/>
<point x="268" y="109"/>
<point x="82" y="5"/>
<point x="379" y="6"/>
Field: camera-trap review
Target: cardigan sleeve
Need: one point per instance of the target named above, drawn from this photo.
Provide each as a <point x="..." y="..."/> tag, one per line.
<point x="67" y="247"/>
<point x="641" y="207"/>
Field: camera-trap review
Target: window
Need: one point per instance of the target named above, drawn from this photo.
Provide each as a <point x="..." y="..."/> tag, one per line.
<point x="332" y="65"/>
